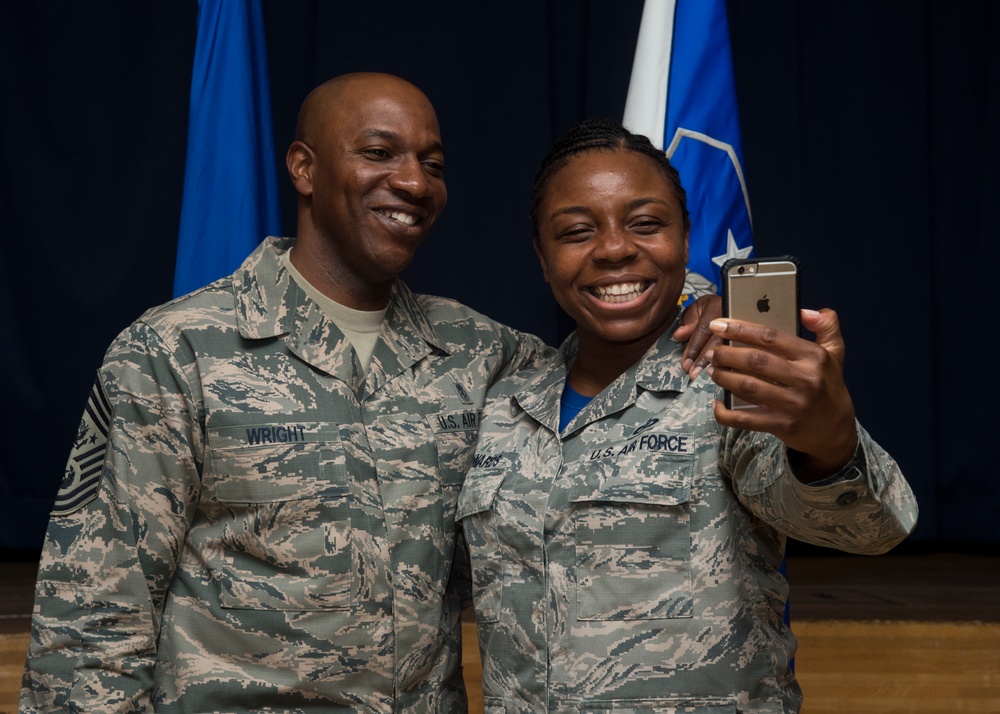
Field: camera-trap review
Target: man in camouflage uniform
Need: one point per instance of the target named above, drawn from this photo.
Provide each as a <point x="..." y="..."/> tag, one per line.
<point x="259" y="511"/>
<point x="253" y="520"/>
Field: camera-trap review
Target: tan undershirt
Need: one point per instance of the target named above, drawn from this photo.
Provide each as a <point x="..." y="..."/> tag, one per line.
<point x="360" y="327"/>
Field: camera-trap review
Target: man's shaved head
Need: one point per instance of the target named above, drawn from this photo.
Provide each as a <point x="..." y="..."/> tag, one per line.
<point x="323" y="102"/>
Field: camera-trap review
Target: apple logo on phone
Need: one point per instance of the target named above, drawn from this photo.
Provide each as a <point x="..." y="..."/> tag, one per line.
<point x="763" y="305"/>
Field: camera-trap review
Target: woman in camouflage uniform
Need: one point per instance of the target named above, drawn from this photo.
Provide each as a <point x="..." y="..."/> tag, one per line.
<point x="625" y="529"/>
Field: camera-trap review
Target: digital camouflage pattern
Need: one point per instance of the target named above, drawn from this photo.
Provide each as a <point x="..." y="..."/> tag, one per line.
<point x="631" y="565"/>
<point x="272" y="531"/>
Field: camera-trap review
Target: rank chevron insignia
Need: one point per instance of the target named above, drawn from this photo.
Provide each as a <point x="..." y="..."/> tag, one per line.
<point x="86" y="460"/>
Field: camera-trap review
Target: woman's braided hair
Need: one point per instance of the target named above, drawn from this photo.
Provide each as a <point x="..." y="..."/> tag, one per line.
<point x="601" y="135"/>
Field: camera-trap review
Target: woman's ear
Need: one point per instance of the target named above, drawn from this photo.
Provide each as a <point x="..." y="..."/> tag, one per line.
<point x="541" y="259"/>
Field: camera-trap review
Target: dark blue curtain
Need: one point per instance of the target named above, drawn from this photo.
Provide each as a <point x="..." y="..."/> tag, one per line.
<point x="869" y="134"/>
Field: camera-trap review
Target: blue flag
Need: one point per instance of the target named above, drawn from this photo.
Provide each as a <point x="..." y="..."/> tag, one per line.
<point x="230" y="182"/>
<point x="683" y="97"/>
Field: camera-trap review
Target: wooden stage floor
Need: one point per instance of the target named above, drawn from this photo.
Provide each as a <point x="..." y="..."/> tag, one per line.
<point x="905" y="632"/>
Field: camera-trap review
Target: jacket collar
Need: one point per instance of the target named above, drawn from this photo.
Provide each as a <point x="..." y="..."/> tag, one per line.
<point x="270" y="304"/>
<point x="659" y="370"/>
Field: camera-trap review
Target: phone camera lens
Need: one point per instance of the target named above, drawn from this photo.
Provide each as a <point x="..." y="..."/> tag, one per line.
<point x="741" y="270"/>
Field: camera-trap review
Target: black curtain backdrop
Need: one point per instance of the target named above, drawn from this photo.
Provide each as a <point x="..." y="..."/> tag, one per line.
<point x="871" y="153"/>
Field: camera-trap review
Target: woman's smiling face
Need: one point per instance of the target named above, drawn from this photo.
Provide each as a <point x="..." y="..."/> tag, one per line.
<point x="613" y="245"/>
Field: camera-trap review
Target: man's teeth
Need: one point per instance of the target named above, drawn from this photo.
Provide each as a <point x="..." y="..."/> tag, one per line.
<point x="622" y="292"/>
<point x="404" y="218"/>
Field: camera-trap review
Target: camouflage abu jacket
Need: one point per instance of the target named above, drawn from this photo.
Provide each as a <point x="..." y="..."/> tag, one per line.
<point x="631" y="564"/>
<point x="248" y="524"/>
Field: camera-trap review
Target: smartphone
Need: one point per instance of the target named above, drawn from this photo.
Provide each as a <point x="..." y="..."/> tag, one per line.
<point x="761" y="290"/>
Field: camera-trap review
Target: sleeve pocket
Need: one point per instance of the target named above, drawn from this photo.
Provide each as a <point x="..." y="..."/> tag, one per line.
<point x="475" y="511"/>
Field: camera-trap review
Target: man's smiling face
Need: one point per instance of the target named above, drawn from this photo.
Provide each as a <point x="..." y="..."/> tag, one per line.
<point x="376" y="180"/>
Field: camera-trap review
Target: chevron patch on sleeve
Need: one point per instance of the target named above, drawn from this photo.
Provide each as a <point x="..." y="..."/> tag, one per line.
<point x="85" y="466"/>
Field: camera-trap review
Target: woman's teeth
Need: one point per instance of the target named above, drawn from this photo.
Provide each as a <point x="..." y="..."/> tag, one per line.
<point x="622" y="292"/>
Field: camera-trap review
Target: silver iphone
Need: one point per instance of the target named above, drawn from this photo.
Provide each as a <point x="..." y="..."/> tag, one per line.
<point x="761" y="290"/>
